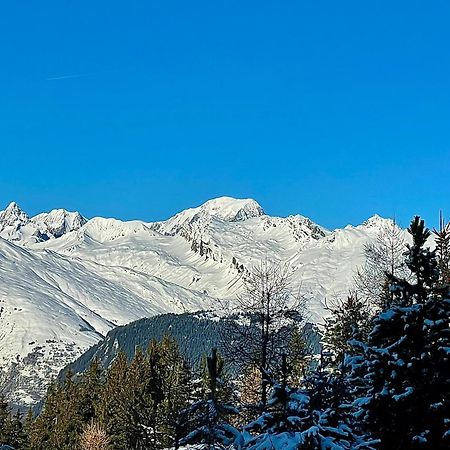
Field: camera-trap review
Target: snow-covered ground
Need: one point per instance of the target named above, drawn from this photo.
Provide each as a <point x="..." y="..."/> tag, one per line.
<point x="65" y="281"/>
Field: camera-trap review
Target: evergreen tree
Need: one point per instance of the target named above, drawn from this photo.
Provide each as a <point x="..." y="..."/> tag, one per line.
<point x="299" y="357"/>
<point x="18" y="437"/>
<point x="69" y="422"/>
<point x="348" y="320"/>
<point x="175" y="379"/>
<point x="111" y="408"/>
<point x="6" y="423"/>
<point x="442" y="239"/>
<point x="90" y="388"/>
<point x="41" y="435"/>
<point x="28" y="429"/>
<point x="138" y="410"/>
<point x="208" y="417"/>
<point x="406" y="359"/>
<point x="305" y="418"/>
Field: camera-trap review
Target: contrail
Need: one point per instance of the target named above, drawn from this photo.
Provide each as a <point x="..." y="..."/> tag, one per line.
<point x="65" y="77"/>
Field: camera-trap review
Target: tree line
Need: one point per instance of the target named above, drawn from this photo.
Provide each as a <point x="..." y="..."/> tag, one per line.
<point x="381" y="380"/>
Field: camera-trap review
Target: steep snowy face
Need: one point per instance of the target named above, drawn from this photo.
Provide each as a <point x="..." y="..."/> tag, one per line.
<point x="17" y="226"/>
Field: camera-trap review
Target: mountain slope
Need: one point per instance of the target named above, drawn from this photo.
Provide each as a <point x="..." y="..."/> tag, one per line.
<point x="60" y="295"/>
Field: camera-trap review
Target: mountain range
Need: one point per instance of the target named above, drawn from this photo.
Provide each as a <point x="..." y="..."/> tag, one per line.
<point x="66" y="281"/>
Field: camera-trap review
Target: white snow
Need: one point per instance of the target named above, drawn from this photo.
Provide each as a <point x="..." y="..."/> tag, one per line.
<point x="59" y="296"/>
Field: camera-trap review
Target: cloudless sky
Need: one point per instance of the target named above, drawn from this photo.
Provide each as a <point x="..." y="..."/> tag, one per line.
<point x="138" y="109"/>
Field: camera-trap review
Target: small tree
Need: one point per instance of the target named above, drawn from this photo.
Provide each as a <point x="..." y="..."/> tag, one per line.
<point x="348" y="320"/>
<point x="442" y="237"/>
<point x="175" y="385"/>
<point x="271" y="312"/>
<point x="250" y="394"/>
<point x="208" y="417"/>
<point x="111" y="408"/>
<point x="383" y="258"/>
<point x="299" y="356"/>
<point x="94" y="437"/>
<point x="6" y="423"/>
<point x="90" y="387"/>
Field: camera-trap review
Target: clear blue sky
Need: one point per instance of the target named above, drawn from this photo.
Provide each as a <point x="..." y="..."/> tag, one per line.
<point x="137" y="109"/>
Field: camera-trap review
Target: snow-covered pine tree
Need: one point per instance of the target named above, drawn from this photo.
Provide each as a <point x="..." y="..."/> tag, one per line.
<point x="305" y="418"/>
<point x="406" y="359"/>
<point x="208" y="416"/>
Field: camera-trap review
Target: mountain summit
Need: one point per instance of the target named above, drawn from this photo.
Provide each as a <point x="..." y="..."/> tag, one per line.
<point x="231" y="209"/>
<point x="17" y="226"/>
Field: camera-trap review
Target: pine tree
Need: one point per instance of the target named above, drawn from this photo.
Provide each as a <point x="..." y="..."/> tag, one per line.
<point x="69" y="422"/>
<point x="175" y="386"/>
<point x="6" y="423"/>
<point x="348" y="320"/>
<point x="442" y="240"/>
<point x="138" y="410"/>
<point x="60" y="423"/>
<point x="41" y="434"/>
<point x="90" y="390"/>
<point x="111" y="408"/>
<point x="305" y="418"/>
<point x="28" y="429"/>
<point x="208" y="417"/>
<point x="18" y="437"/>
<point x="299" y="357"/>
<point x="406" y="358"/>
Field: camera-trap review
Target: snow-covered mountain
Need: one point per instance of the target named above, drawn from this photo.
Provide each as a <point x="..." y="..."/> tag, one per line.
<point x="65" y="282"/>
<point x="17" y="226"/>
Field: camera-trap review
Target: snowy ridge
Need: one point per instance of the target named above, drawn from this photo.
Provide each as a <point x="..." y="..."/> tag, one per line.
<point x="16" y="225"/>
<point x="60" y="295"/>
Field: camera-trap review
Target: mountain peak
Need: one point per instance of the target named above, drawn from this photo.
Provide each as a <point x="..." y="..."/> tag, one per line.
<point x="226" y="209"/>
<point x="13" y="215"/>
<point x="16" y="225"/>
<point x="12" y="206"/>
<point x="376" y="221"/>
<point x="232" y="209"/>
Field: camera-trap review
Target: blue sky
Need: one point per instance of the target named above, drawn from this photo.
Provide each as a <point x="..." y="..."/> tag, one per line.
<point x="138" y="109"/>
